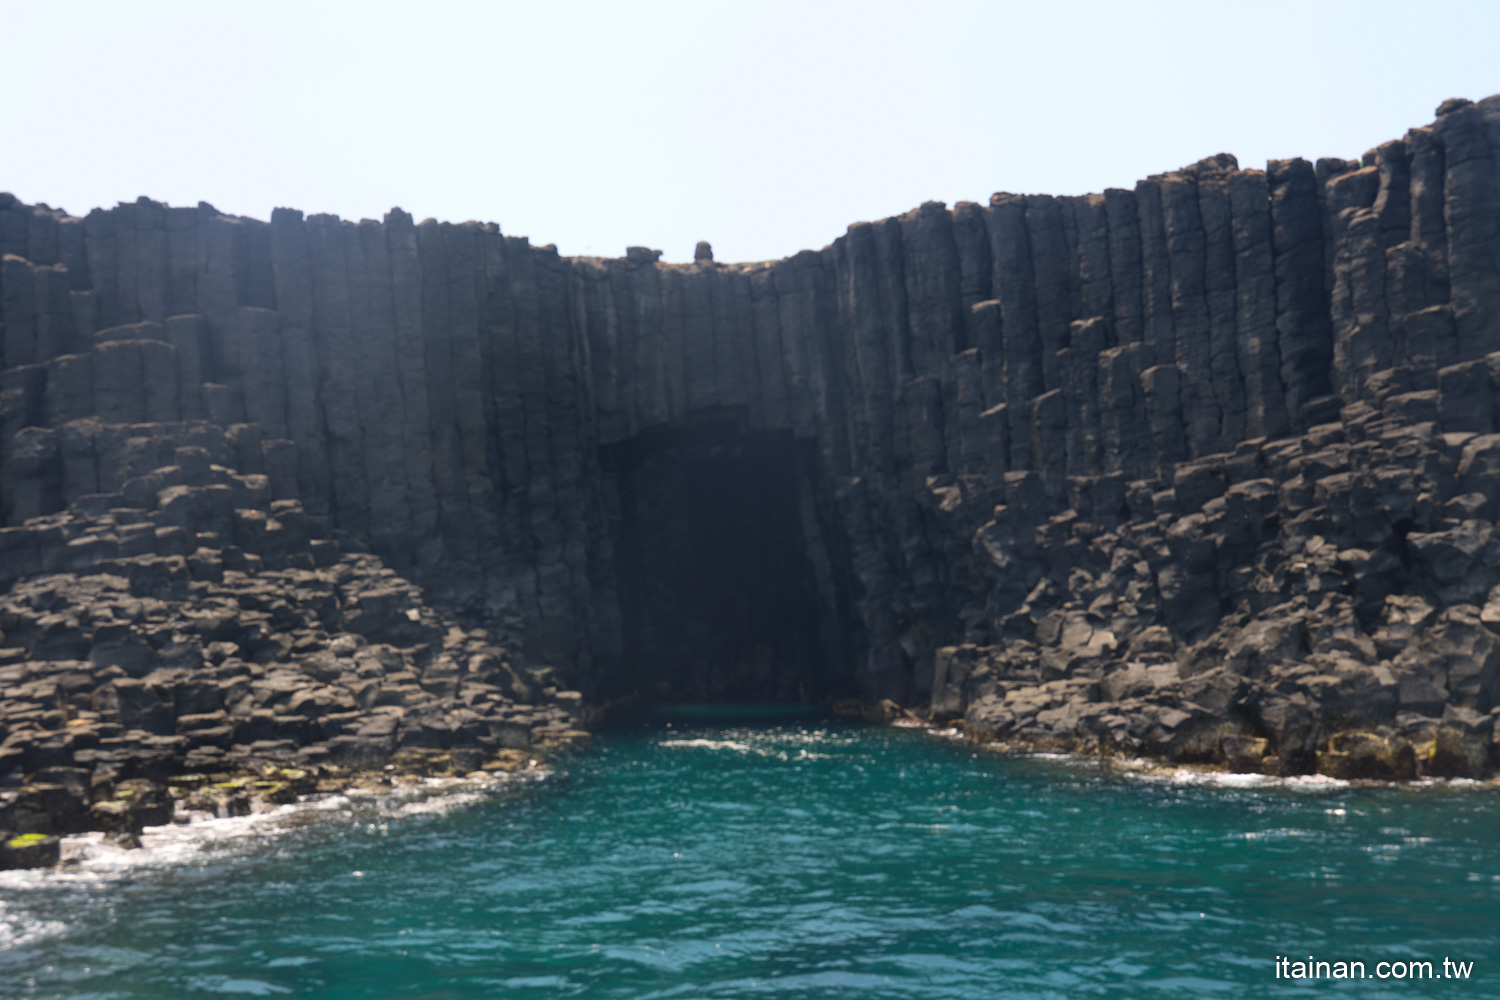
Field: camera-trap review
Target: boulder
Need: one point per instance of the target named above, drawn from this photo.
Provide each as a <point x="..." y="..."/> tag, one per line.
<point x="1370" y="755"/>
<point x="1291" y="724"/>
<point x="1460" y="745"/>
<point x="1243" y="754"/>
<point x="44" y="808"/>
<point x="28" y="850"/>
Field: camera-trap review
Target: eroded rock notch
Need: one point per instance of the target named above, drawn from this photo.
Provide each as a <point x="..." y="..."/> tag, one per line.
<point x="728" y="588"/>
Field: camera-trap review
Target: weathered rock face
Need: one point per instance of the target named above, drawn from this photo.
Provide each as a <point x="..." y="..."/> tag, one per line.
<point x="183" y="624"/>
<point x="1236" y="424"/>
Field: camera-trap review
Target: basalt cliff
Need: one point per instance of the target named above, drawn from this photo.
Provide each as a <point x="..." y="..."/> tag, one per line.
<point x="1206" y="470"/>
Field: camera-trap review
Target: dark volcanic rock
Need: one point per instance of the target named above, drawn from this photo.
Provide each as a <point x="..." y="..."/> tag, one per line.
<point x="1206" y="469"/>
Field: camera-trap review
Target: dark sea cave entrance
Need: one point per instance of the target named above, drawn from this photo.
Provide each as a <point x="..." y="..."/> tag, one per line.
<point x="729" y="589"/>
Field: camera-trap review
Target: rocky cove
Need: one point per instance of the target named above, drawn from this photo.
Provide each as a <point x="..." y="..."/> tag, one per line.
<point x="1206" y="470"/>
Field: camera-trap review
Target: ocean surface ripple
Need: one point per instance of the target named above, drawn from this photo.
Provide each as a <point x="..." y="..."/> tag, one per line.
<point x="792" y="859"/>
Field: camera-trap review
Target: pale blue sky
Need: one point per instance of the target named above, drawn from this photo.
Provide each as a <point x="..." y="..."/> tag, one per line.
<point x="763" y="127"/>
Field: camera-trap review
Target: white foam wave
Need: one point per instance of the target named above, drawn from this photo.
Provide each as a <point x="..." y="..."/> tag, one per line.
<point x="91" y="861"/>
<point x="734" y="745"/>
<point x="1148" y="771"/>
<point x="1143" y="770"/>
<point x="746" y="748"/>
<point x="90" y="857"/>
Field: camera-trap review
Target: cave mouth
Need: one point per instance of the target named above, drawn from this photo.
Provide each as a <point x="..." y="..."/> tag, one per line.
<point x="719" y="543"/>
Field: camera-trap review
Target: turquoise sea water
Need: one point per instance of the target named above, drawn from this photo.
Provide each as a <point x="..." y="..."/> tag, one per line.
<point x="798" y="857"/>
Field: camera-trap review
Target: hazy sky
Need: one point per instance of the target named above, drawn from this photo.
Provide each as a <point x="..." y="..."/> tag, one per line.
<point x="764" y="127"/>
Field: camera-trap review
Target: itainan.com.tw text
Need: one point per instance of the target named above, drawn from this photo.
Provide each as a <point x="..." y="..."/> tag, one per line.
<point x="1288" y="967"/>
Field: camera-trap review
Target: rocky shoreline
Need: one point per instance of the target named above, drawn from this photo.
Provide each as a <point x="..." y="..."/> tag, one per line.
<point x="188" y="643"/>
<point x="1327" y="603"/>
<point x="55" y="799"/>
<point x="1203" y="471"/>
<point x="1451" y="747"/>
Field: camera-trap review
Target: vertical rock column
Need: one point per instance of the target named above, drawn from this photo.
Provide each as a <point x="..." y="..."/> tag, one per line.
<point x="699" y="376"/>
<point x="1161" y="396"/>
<point x="1255" y="304"/>
<point x="1190" y="317"/>
<point x="678" y="352"/>
<point x="1469" y="135"/>
<point x="182" y="261"/>
<point x="1124" y="440"/>
<point x="1416" y="280"/>
<point x="469" y="296"/>
<point x="17" y="307"/>
<point x="550" y="629"/>
<point x="1080" y="374"/>
<point x="440" y="282"/>
<point x="573" y="444"/>
<point x="1013" y="328"/>
<point x="411" y="369"/>
<point x="1094" y="255"/>
<point x="1219" y="291"/>
<point x="930" y="267"/>
<point x="513" y="366"/>
<point x="378" y="385"/>
<point x="793" y="287"/>
<point x="864" y="313"/>
<point x="1158" y="336"/>
<point x="971" y="238"/>
<point x="1050" y="273"/>
<point x="733" y="354"/>
<point x="252" y="359"/>
<point x="1125" y="265"/>
<point x="799" y="282"/>
<point x="292" y="265"/>
<point x="1303" y="333"/>
<point x="1361" y="342"/>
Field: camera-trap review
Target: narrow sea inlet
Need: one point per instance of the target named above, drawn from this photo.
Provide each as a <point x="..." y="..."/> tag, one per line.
<point x="785" y="857"/>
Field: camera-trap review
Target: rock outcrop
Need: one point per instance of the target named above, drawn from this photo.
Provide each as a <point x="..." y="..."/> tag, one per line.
<point x="185" y="636"/>
<point x="1203" y="469"/>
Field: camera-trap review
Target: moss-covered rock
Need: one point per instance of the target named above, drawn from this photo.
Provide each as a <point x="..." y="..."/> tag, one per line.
<point x="568" y="739"/>
<point x="1244" y="754"/>
<point x="29" y="850"/>
<point x="508" y="761"/>
<point x="43" y="807"/>
<point x="151" y="801"/>
<point x="275" y="792"/>
<point x="117" y="816"/>
<point x="187" y="782"/>
<point x="225" y="798"/>
<point x="1354" y="755"/>
<point x="1451" y="754"/>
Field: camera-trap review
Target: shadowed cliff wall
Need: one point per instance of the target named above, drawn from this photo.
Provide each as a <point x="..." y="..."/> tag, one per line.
<point x="442" y="392"/>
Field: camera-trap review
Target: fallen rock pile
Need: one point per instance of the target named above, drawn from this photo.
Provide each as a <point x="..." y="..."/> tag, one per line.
<point x="190" y="639"/>
<point x="1326" y="603"/>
